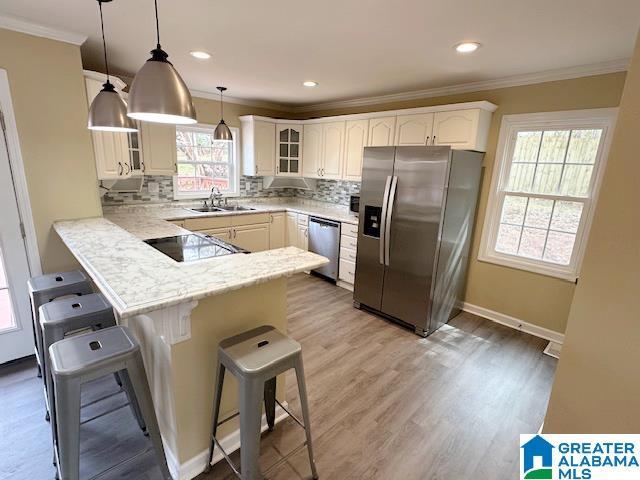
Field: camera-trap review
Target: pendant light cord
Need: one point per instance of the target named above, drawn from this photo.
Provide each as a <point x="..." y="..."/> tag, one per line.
<point x="104" y="43"/>
<point x="221" y="107"/>
<point x="155" y="2"/>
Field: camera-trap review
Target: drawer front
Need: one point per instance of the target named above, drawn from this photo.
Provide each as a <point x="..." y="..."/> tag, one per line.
<point x="303" y="219"/>
<point x="250" y="219"/>
<point x="347" y="254"/>
<point x="348" y="242"/>
<point x="207" y="223"/>
<point x="347" y="272"/>
<point x="350" y="230"/>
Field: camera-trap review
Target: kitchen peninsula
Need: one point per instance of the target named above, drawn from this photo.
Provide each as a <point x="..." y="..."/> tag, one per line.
<point x="180" y="312"/>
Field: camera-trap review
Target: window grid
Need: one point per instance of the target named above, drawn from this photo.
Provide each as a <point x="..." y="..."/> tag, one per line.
<point x="527" y="191"/>
<point x="190" y="143"/>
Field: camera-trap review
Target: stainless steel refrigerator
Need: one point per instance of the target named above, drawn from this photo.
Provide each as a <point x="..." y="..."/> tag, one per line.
<point x="417" y="210"/>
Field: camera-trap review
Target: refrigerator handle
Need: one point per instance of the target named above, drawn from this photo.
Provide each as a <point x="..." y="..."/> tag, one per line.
<point x="383" y="219"/>
<point x="387" y="224"/>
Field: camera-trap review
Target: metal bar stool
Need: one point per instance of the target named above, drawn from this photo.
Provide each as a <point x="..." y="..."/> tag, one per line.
<point x="46" y="288"/>
<point x="255" y="358"/>
<point x="79" y="359"/>
<point x="74" y="314"/>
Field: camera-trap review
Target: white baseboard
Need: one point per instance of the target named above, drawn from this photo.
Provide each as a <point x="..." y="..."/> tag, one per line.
<point x="195" y="466"/>
<point x="513" y="322"/>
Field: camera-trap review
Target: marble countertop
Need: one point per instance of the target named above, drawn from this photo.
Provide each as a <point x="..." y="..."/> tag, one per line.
<point x="180" y="211"/>
<point x="137" y="278"/>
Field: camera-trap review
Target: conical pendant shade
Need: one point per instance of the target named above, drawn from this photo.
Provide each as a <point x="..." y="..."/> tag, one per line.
<point x="158" y="93"/>
<point x="222" y="133"/>
<point x="108" y="112"/>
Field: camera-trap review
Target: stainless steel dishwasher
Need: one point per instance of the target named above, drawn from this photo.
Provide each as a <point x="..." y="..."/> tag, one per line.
<point x="324" y="239"/>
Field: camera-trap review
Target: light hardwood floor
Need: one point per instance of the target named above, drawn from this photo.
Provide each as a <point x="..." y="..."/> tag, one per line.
<point x="385" y="404"/>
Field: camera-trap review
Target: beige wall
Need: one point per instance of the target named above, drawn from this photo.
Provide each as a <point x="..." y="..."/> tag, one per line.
<point x="596" y="388"/>
<point x="194" y="361"/>
<point x="49" y="101"/>
<point x="208" y="111"/>
<point x="538" y="299"/>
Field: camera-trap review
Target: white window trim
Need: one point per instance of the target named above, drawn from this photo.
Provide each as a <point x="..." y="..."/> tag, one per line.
<point x="235" y="177"/>
<point x="604" y="118"/>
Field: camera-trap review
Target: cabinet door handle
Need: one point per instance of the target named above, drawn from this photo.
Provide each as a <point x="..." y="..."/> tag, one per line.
<point x="256" y="169"/>
<point x="427" y="142"/>
<point x="175" y="167"/>
<point x="142" y="167"/>
<point x="323" y="172"/>
<point x="120" y="168"/>
<point x="128" y="168"/>
<point x="318" y="172"/>
<point x="433" y="142"/>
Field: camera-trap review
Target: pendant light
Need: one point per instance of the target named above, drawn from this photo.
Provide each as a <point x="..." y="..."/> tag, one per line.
<point x="158" y="93"/>
<point x="108" y="112"/>
<point x="222" y="132"/>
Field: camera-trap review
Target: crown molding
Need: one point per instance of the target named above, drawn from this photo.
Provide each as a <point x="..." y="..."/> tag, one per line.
<point x="24" y="26"/>
<point x="602" y="68"/>
<point x="241" y="101"/>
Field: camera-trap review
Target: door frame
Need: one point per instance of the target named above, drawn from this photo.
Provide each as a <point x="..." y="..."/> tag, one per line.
<point x="19" y="176"/>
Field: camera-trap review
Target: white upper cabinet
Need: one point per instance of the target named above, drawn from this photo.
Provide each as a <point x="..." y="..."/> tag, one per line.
<point x="111" y="149"/>
<point x="355" y="139"/>
<point x="332" y="150"/>
<point x="333" y="147"/>
<point x="289" y="150"/>
<point x="462" y="129"/>
<point x="159" y="147"/>
<point x="414" y="129"/>
<point x="258" y="146"/>
<point x="312" y="150"/>
<point x="381" y="131"/>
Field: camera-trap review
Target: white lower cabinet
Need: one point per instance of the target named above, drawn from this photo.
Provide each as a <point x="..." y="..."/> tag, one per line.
<point x="277" y="230"/>
<point x="348" y="249"/>
<point x="292" y="229"/>
<point x="254" y="238"/>
<point x="221" y="233"/>
<point x="303" y="231"/>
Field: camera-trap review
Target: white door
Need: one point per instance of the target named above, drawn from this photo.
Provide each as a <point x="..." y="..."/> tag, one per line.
<point x="311" y="149"/>
<point x="382" y="131"/>
<point x="332" y="149"/>
<point x="16" y="332"/>
<point x="456" y="128"/>
<point x="265" y="148"/>
<point x="254" y="238"/>
<point x="355" y="140"/>
<point x="414" y="129"/>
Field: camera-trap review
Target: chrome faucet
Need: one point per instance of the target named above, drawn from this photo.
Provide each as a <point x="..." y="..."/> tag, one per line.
<point x="215" y="195"/>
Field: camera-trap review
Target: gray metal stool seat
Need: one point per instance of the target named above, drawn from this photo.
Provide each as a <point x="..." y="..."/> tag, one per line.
<point x="255" y="358"/>
<point x="46" y="288"/>
<point x="79" y="359"/>
<point x="73" y="314"/>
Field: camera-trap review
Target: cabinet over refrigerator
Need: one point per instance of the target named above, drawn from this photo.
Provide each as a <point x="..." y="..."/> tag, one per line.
<point x="417" y="210"/>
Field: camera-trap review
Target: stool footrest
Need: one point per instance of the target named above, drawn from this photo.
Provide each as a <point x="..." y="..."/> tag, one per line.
<point x="271" y="467"/>
<point x="226" y="457"/>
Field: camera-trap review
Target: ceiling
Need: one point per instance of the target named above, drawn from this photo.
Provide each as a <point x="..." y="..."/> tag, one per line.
<point x="263" y="50"/>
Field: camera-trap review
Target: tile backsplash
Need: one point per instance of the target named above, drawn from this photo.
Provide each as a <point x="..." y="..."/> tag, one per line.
<point x="333" y="191"/>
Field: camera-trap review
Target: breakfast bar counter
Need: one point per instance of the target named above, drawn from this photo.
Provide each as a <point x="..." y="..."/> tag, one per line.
<point x="180" y="311"/>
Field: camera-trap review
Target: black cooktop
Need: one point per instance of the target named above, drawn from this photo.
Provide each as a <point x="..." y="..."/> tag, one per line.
<point x="188" y="248"/>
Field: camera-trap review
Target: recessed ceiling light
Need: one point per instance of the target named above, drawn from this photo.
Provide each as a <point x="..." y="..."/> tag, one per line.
<point x="200" y="54"/>
<point x="310" y="83"/>
<point x="467" y="47"/>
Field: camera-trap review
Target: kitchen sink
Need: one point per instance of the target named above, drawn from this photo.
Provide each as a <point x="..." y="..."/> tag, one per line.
<point x="222" y="208"/>
<point x="234" y="208"/>
<point x="206" y="209"/>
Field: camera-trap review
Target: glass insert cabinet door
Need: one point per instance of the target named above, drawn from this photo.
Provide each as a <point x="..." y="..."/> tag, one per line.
<point x="289" y="150"/>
